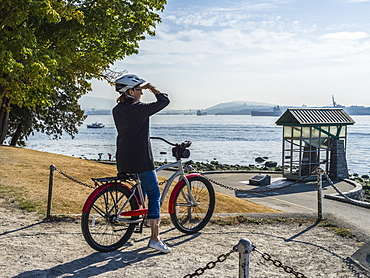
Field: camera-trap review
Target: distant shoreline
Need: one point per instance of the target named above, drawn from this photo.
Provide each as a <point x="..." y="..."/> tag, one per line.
<point x="353" y="110"/>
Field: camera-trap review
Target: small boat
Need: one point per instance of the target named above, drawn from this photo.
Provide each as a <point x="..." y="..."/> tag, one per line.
<point x="96" y="125"/>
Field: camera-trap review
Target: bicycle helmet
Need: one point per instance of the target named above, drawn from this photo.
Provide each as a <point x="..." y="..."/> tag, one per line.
<point x="127" y="82"/>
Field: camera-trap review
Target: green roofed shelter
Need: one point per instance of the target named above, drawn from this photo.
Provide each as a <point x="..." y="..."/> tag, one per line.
<point x="314" y="137"/>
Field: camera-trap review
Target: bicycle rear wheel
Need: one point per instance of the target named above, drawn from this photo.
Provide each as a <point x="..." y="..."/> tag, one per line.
<point x="188" y="217"/>
<point x="99" y="224"/>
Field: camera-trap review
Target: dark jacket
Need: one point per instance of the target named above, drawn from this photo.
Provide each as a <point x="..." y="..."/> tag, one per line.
<point x="134" y="152"/>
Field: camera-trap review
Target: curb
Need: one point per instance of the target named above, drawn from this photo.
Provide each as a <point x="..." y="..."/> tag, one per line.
<point x="355" y="194"/>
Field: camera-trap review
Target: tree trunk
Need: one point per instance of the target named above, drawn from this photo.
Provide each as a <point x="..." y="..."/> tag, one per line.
<point x="4" y="118"/>
<point x="16" y="135"/>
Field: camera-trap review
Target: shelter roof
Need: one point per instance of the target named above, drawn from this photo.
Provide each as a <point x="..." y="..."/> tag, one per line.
<point x="315" y="116"/>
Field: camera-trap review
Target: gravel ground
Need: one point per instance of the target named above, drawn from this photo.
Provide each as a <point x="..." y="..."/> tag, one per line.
<point x="31" y="247"/>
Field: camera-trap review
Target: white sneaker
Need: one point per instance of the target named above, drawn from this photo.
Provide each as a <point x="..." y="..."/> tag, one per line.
<point x="160" y="246"/>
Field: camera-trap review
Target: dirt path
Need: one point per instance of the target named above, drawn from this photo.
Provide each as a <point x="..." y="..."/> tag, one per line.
<point x="33" y="248"/>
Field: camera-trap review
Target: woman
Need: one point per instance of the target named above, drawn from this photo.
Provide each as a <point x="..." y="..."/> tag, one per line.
<point x="134" y="152"/>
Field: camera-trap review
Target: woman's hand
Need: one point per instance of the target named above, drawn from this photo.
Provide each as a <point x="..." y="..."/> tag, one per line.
<point x="150" y="87"/>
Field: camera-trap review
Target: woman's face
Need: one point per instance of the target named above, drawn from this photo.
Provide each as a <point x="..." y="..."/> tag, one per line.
<point x="136" y="93"/>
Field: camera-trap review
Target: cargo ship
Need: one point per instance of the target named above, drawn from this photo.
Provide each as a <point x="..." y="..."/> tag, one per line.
<point x="276" y="112"/>
<point x="352" y="110"/>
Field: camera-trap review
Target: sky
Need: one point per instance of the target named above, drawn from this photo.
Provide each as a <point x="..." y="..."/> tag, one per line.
<point x="283" y="52"/>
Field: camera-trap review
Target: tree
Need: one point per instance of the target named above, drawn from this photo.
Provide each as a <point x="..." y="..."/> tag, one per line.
<point x="51" y="49"/>
<point x="64" y="115"/>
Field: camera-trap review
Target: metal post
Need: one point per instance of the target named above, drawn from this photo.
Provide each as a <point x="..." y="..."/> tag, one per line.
<point x="244" y="247"/>
<point x="319" y="193"/>
<point x="50" y="193"/>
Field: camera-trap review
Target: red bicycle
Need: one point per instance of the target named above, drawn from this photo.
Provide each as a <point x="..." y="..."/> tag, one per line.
<point x="113" y="211"/>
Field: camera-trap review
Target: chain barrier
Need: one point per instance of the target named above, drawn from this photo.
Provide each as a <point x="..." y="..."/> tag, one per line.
<point x="211" y="264"/>
<point x="162" y="182"/>
<point x="278" y="263"/>
<point x="265" y="256"/>
<point x="350" y="200"/>
<point x="254" y="190"/>
<point x="318" y="170"/>
<point x="73" y="179"/>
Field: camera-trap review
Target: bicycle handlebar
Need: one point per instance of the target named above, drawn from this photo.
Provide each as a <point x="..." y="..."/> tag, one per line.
<point x="185" y="144"/>
<point x="159" y="138"/>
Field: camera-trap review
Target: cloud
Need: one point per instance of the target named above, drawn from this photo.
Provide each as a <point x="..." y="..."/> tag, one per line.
<point x="246" y="42"/>
<point x="344" y="36"/>
<point x="261" y="45"/>
<point x="208" y="34"/>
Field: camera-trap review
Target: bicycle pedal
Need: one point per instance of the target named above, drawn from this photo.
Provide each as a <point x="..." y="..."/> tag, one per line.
<point x="138" y="229"/>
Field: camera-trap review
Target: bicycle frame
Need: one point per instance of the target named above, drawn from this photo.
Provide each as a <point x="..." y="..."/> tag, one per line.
<point x="179" y="172"/>
<point x="143" y="210"/>
<point x="141" y="202"/>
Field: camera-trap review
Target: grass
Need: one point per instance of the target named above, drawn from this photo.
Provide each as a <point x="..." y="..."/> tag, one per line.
<point x="241" y="219"/>
<point x="364" y="180"/>
<point x="336" y="229"/>
<point x="24" y="177"/>
<point x="17" y="198"/>
<point x="366" y="192"/>
<point x="24" y="180"/>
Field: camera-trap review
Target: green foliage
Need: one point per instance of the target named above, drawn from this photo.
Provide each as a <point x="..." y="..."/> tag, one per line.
<point x="64" y="115"/>
<point x="54" y="47"/>
<point x="216" y="166"/>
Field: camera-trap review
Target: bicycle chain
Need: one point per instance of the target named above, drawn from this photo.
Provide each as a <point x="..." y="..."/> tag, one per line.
<point x="278" y="263"/>
<point x="211" y="264"/>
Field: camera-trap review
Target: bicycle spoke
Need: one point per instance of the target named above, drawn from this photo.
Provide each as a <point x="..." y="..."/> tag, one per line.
<point x="184" y="221"/>
<point x="99" y="211"/>
<point x="108" y="234"/>
<point x="190" y="217"/>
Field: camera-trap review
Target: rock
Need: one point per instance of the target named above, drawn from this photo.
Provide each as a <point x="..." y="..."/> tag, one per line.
<point x="259" y="159"/>
<point x="270" y="164"/>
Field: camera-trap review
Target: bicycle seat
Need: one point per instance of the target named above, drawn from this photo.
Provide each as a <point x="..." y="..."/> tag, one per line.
<point x="127" y="176"/>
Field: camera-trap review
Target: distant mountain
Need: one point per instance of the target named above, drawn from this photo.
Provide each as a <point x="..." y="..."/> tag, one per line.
<point x="95" y="103"/>
<point x="244" y="106"/>
<point x="102" y="106"/>
<point x="239" y="103"/>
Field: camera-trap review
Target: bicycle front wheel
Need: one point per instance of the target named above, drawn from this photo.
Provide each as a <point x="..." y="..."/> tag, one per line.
<point x="190" y="217"/>
<point x="101" y="228"/>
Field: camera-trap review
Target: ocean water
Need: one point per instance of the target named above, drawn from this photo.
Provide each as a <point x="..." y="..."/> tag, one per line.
<point x="230" y="139"/>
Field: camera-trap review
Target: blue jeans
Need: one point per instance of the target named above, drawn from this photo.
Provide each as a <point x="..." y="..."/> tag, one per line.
<point x="149" y="183"/>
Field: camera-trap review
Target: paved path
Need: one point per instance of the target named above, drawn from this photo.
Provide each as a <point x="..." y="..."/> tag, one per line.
<point x="299" y="198"/>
